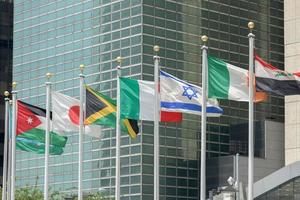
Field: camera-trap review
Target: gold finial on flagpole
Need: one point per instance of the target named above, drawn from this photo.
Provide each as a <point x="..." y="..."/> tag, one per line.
<point x="6" y="93"/>
<point x="49" y="75"/>
<point x="81" y="67"/>
<point x="251" y="26"/>
<point x="119" y="59"/>
<point x="14" y="85"/>
<point x="156" y="48"/>
<point x="204" y="38"/>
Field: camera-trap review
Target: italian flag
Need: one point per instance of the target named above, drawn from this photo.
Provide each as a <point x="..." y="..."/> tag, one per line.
<point x="226" y="81"/>
<point x="137" y="101"/>
<point x="31" y="123"/>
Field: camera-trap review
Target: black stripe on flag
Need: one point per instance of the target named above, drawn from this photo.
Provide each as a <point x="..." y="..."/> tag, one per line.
<point x="36" y="110"/>
<point x="277" y="87"/>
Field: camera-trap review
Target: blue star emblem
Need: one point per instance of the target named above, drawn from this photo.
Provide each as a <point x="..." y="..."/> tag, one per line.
<point x="189" y="92"/>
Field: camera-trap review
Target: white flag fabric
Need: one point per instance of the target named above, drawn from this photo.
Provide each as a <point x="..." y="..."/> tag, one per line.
<point x="180" y="96"/>
<point x="65" y="111"/>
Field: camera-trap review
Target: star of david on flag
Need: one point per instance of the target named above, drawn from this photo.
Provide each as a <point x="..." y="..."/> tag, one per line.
<point x="180" y="96"/>
<point x="189" y="92"/>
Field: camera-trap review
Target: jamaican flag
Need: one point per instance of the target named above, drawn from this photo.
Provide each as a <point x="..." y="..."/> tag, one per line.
<point x="101" y="110"/>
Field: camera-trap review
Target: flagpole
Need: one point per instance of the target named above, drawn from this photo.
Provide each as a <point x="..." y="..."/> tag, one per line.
<point x="47" y="136"/>
<point x="9" y="152"/>
<point x="81" y="130"/>
<point x="4" y="177"/>
<point x="13" y="146"/>
<point x="118" y="134"/>
<point x="156" y="123"/>
<point x="251" y="112"/>
<point x="204" y="48"/>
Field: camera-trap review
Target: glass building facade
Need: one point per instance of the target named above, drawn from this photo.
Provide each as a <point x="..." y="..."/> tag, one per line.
<point x="58" y="36"/>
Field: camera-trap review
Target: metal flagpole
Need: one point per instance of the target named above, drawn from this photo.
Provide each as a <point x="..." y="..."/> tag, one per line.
<point x="13" y="146"/>
<point x="251" y="112"/>
<point x="9" y="152"/>
<point x="204" y="48"/>
<point x="4" y="181"/>
<point x="81" y="131"/>
<point x="237" y="176"/>
<point x="156" y="123"/>
<point x="47" y="136"/>
<point x="118" y="133"/>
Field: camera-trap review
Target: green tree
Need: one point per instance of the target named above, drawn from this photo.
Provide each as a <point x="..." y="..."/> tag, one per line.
<point x="96" y="196"/>
<point x="29" y="193"/>
<point x="35" y="193"/>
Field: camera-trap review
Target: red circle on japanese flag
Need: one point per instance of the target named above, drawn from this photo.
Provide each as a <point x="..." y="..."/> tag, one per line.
<point x="74" y="114"/>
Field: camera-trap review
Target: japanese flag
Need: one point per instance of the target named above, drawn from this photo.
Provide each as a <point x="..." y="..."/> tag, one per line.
<point x="65" y="117"/>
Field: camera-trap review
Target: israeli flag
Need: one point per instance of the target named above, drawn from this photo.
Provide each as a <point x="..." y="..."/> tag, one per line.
<point x="179" y="96"/>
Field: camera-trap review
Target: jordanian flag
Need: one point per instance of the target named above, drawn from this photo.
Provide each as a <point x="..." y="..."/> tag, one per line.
<point x="31" y="124"/>
<point x="271" y="79"/>
<point x="101" y="110"/>
<point x="226" y="81"/>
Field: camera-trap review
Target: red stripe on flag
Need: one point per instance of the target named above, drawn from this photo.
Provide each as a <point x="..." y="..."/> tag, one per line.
<point x="170" y="116"/>
<point x="26" y="120"/>
<point x="265" y="64"/>
<point x="297" y="74"/>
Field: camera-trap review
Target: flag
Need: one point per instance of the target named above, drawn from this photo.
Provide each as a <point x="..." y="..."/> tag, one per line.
<point x="101" y="110"/>
<point x="137" y="101"/>
<point x="180" y="96"/>
<point x="226" y="81"/>
<point x="270" y="79"/>
<point x="31" y="125"/>
<point x="66" y="111"/>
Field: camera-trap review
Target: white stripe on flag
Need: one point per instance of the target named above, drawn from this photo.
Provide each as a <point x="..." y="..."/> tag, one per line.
<point x="180" y="96"/>
<point x="146" y="100"/>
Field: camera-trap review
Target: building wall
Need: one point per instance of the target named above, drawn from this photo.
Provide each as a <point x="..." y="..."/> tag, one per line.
<point x="292" y="103"/>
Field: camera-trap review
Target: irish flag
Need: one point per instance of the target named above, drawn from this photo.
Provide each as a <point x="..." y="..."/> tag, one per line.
<point x="137" y="101"/>
<point x="31" y="123"/>
<point x="226" y="81"/>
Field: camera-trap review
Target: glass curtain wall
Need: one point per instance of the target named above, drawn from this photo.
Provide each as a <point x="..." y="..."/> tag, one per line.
<point x="58" y="36"/>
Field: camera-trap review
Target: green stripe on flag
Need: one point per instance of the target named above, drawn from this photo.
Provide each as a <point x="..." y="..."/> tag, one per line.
<point x="35" y="147"/>
<point x="34" y="141"/>
<point x="108" y="120"/>
<point x="129" y="98"/>
<point x="218" y="78"/>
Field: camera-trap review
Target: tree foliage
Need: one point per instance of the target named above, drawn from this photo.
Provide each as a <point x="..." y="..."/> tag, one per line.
<point x="29" y="193"/>
<point x="35" y="193"/>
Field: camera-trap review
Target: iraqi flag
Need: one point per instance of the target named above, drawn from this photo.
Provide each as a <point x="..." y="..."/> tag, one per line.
<point x="66" y="115"/>
<point x="31" y="124"/>
<point x="271" y="79"/>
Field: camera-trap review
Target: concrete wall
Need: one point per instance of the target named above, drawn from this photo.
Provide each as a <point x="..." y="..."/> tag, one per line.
<point x="292" y="57"/>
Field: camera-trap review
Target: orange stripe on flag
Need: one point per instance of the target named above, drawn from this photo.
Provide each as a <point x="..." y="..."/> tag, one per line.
<point x="258" y="96"/>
